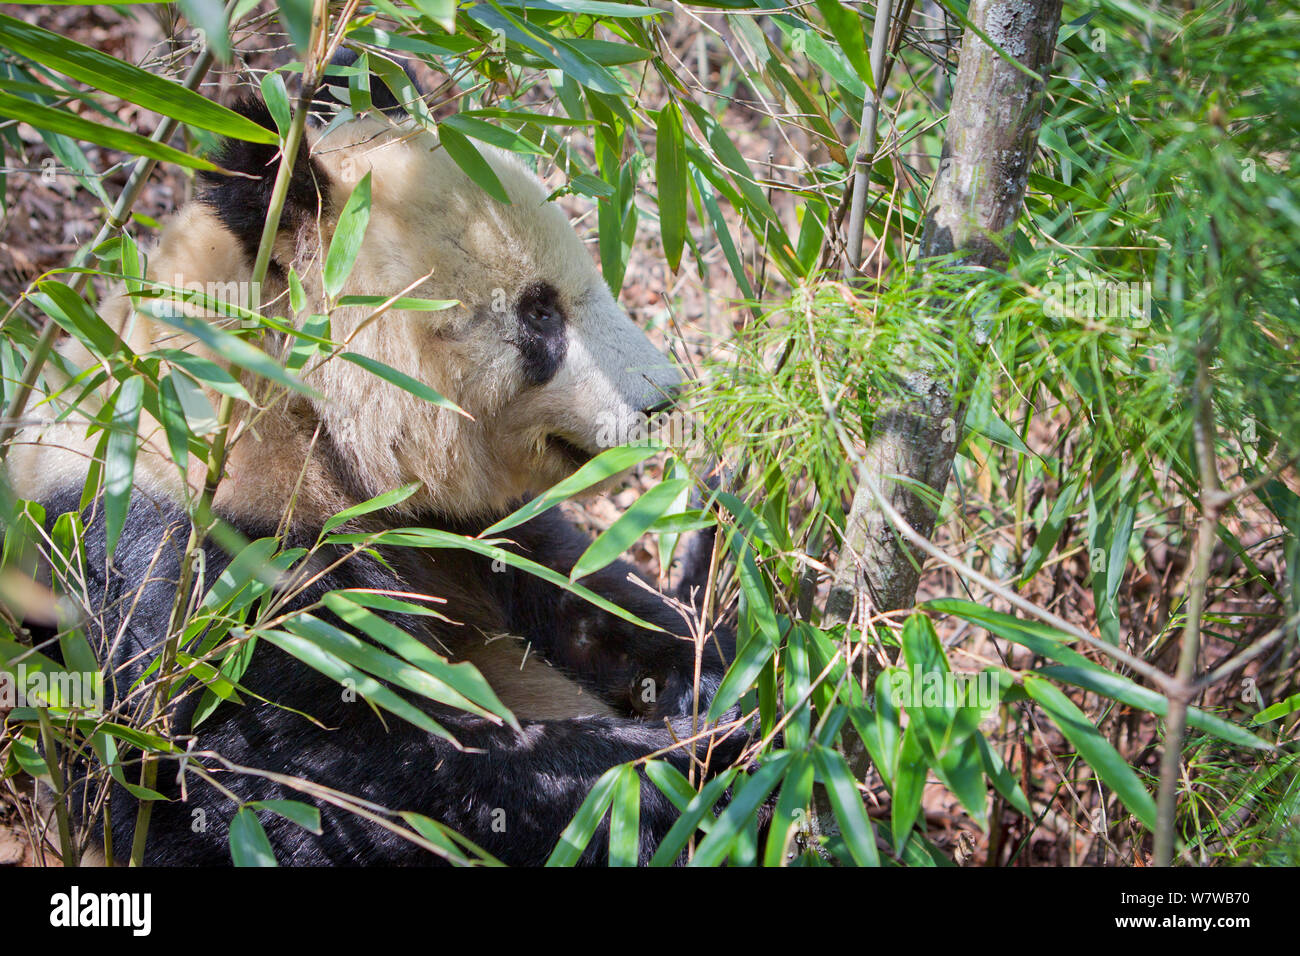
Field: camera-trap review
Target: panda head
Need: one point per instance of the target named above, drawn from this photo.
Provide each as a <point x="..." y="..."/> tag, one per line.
<point x="537" y="352"/>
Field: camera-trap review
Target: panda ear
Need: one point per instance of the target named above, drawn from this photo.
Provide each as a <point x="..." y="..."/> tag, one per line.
<point x="332" y="93"/>
<point x="241" y="201"/>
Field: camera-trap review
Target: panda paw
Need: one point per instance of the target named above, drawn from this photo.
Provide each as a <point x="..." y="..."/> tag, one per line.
<point x="675" y="696"/>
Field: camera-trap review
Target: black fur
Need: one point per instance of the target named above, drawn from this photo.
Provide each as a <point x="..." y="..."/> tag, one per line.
<point x="327" y="99"/>
<point x="538" y="776"/>
<point x="540" y="335"/>
<point x="241" y="201"/>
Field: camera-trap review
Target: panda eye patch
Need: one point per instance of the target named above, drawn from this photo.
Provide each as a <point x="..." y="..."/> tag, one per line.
<point x="540" y="336"/>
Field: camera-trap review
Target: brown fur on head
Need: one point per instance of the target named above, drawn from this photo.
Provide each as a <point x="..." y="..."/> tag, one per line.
<point x="537" y="351"/>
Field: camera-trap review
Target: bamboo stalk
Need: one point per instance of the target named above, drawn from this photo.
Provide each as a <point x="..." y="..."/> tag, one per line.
<point x="866" y="152"/>
<point x="201" y="521"/>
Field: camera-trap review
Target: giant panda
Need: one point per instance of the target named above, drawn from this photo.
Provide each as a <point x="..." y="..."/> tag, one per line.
<point x="541" y="356"/>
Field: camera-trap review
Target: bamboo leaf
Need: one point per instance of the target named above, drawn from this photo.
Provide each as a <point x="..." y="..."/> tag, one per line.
<point x="378" y="503"/>
<point x="471" y="162"/>
<point x="119" y="458"/>
<point x="633" y="523"/>
<point x="348" y="233"/>
<point x="403" y="381"/>
<point x="103" y="72"/>
<point x="582" y="828"/>
<point x="601" y="468"/>
<point x="672" y="178"/>
<point x="1111" y="768"/>
<point x="625" y="818"/>
<point x="248" y="843"/>
<point x="847" y="804"/>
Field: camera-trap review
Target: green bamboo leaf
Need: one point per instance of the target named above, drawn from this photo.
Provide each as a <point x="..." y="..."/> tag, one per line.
<point x="144" y="89"/>
<point x="403" y="90"/>
<point x="71" y="312"/>
<point x="961" y="769"/>
<point x="601" y="468"/>
<point x="597" y="8"/>
<point x="119" y="458"/>
<point x="582" y="828"/>
<point x="172" y="418"/>
<point x="1051" y="530"/>
<point x="339" y="670"/>
<point x="378" y="503"/>
<point x="882" y="728"/>
<point x="206" y="371"/>
<point x="297" y="294"/>
<point x="607" y="53"/>
<point x="1104" y="759"/>
<point x="715" y="847"/>
<point x="403" y="381"/>
<point x="461" y="685"/>
<point x="625" y="819"/>
<point x="671" y="783"/>
<point x="1076" y="669"/>
<point x="402" y="304"/>
<point x="382" y="602"/>
<point x="846" y="802"/>
<point x="696" y="815"/>
<point x="796" y="792"/>
<point x="209" y="17"/>
<point x="303" y="814"/>
<point x="908" y="784"/>
<point x="671" y="177"/>
<point x="471" y="162"/>
<point x="524" y="116"/>
<point x="234" y="349"/>
<point x="296" y="16"/>
<point x="346" y="243"/>
<point x="721" y="230"/>
<point x="764" y="637"/>
<point x="441" y="12"/>
<point x="450" y="844"/>
<point x="248" y="843"/>
<point x="379" y="663"/>
<point x="1281" y="709"/>
<point x="633" y="523"/>
<point x="432" y="538"/>
<point x="276" y="98"/>
<point x="1002" y="779"/>
<point x="498" y="136"/>
<point x="539" y="41"/>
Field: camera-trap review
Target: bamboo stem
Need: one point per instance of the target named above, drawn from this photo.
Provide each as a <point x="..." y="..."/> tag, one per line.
<point x="866" y="152"/>
<point x="201" y="520"/>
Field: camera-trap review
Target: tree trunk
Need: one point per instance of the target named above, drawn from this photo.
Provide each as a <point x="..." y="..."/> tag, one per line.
<point x="978" y="192"/>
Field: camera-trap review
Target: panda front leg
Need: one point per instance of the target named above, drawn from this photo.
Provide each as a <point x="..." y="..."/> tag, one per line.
<point x="636" y="670"/>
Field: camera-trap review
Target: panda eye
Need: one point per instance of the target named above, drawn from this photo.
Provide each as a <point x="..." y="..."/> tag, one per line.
<point x="539" y="308"/>
<point x="540" y="314"/>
